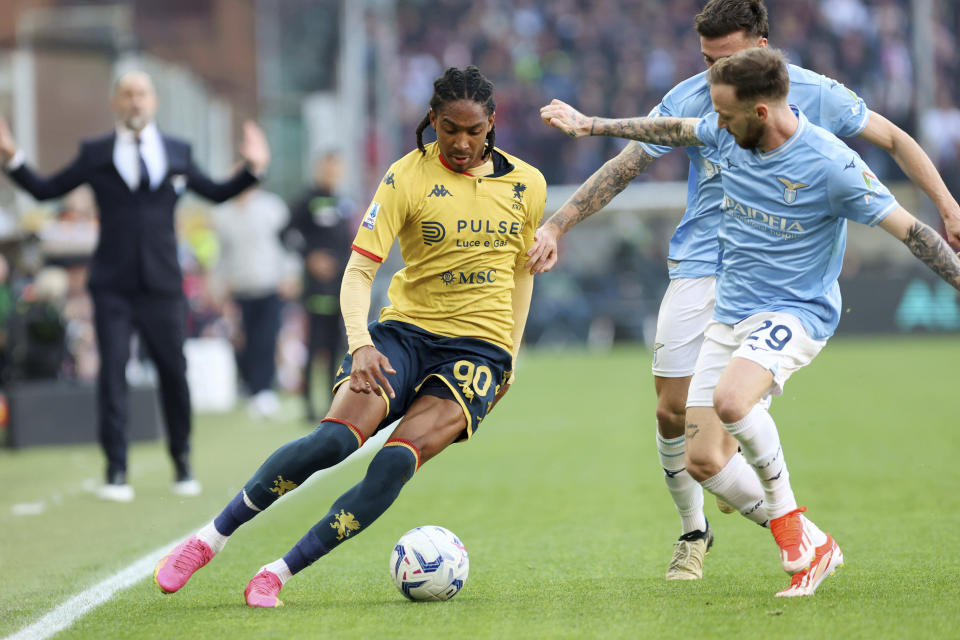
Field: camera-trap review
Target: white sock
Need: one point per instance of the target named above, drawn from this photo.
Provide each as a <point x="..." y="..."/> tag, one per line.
<point x="212" y="537"/>
<point x="737" y="484"/>
<point x="687" y="494"/>
<point x="818" y="537"/>
<point x="757" y="434"/>
<point x="278" y="568"/>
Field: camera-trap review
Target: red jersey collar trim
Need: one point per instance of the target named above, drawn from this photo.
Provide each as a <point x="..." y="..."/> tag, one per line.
<point x="443" y="161"/>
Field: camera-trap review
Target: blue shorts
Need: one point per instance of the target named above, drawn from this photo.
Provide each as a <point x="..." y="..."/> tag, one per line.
<point x="467" y="370"/>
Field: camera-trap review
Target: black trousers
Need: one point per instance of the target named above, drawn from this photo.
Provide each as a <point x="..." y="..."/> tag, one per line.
<point x="257" y="360"/>
<point x="160" y="321"/>
<point x="325" y="335"/>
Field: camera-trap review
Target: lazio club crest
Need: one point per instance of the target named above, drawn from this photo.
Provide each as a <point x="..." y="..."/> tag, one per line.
<point x="790" y="189"/>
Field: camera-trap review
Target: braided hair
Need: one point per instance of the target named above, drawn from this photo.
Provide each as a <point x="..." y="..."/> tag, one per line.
<point x="461" y="84"/>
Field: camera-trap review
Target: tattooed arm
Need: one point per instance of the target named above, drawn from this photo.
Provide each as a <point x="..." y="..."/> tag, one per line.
<point x="915" y="163"/>
<point x="673" y="132"/>
<point x="925" y="243"/>
<point x="593" y="195"/>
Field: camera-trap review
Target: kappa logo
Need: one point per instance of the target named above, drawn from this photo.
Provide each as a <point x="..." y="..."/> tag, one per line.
<point x="518" y="189"/>
<point x="790" y="189"/>
<point x="390" y="181"/>
<point x="433" y="232"/>
<point x="344" y="523"/>
<point x="730" y="165"/>
<point x="439" y="191"/>
<point x="850" y="165"/>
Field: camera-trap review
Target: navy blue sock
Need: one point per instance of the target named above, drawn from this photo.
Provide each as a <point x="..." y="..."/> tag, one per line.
<point x="356" y="509"/>
<point x="290" y="465"/>
<point x="233" y="515"/>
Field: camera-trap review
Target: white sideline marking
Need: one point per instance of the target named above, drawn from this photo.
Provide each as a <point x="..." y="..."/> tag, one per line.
<point x="79" y="605"/>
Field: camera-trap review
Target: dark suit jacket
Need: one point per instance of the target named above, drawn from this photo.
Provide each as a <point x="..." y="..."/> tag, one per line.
<point x="137" y="248"/>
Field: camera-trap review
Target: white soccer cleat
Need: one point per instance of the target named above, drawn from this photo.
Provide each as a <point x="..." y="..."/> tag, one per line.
<point x="688" y="554"/>
<point x="116" y="492"/>
<point x="189" y="487"/>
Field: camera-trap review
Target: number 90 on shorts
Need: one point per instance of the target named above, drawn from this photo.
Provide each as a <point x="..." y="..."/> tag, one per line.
<point x="468" y="371"/>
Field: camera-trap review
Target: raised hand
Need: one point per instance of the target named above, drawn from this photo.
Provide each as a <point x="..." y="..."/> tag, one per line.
<point x="951" y="222"/>
<point x="560" y="115"/>
<point x="8" y="146"/>
<point x="254" y="148"/>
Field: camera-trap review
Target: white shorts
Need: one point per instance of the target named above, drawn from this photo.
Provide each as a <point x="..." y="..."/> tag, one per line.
<point x="685" y="312"/>
<point x="776" y="341"/>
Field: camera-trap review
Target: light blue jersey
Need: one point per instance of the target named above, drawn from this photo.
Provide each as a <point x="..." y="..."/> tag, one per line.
<point x="784" y="224"/>
<point x="693" y="246"/>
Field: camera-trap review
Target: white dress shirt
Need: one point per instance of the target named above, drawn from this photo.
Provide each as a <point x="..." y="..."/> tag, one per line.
<point x="154" y="155"/>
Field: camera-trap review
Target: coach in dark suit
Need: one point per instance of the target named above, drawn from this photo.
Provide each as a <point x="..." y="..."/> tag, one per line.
<point x="137" y="175"/>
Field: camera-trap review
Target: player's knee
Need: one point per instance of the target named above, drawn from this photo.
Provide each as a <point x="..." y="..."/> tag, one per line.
<point x="671" y="419"/>
<point x="330" y="443"/>
<point x="397" y="460"/>
<point x="703" y="463"/>
<point x="730" y="407"/>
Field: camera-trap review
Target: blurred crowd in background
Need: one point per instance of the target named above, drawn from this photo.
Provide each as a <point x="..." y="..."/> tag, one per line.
<point x="616" y="58"/>
<point x="607" y="57"/>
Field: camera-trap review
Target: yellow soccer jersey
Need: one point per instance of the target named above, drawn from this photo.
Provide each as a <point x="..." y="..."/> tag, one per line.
<point x="461" y="238"/>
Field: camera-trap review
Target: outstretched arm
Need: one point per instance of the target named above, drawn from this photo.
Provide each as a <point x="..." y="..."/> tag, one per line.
<point x="8" y="145"/>
<point x="917" y="166"/>
<point x="925" y="243"/>
<point x="256" y="153"/>
<point x="672" y="132"/>
<point x="593" y="195"/>
<point x="41" y="188"/>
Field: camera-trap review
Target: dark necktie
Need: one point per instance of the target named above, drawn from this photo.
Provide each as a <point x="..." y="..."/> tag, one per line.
<point x="144" y="174"/>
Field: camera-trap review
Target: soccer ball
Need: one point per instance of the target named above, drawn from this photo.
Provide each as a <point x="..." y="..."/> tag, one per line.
<point x="429" y="563"/>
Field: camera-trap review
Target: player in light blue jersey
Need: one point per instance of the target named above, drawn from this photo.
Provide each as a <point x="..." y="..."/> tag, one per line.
<point x="789" y="188"/>
<point x="708" y="454"/>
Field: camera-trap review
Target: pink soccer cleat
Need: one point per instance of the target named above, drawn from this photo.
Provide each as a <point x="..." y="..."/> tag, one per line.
<point x="796" y="548"/>
<point x="828" y="559"/>
<point x="175" y="568"/>
<point x="263" y="589"/>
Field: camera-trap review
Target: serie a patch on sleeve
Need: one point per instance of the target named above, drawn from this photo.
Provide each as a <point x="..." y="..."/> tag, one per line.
<point x="370" y="217"/>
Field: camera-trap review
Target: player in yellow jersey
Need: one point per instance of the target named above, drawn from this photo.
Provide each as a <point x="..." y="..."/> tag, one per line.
<point x="440" y="356"/>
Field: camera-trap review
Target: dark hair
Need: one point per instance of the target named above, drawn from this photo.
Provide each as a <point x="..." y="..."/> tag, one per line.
<point x="723" y="17"/>
<point x="461" y="84"/>
<point x="760" y="72"/>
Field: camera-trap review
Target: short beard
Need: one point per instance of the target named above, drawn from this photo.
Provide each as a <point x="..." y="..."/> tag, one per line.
<point x="751" y="139"/>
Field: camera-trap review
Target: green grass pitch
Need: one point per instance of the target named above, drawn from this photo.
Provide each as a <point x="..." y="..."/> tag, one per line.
<point x="561" y="504"/>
